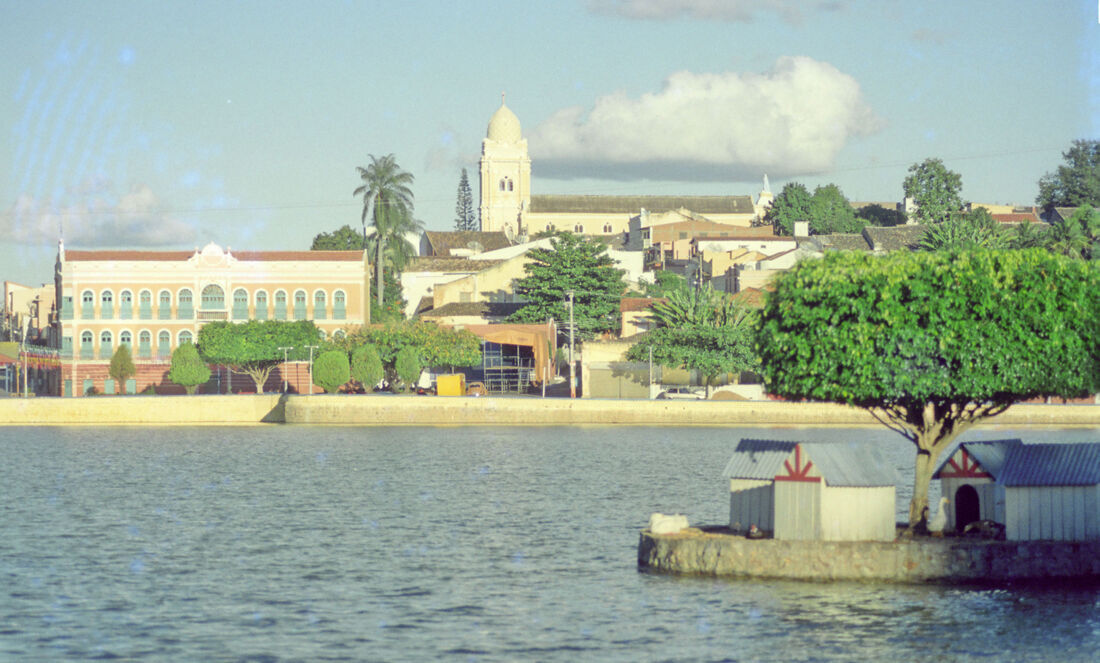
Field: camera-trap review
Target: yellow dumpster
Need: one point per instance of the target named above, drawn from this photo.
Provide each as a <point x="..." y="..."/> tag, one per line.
<point x="451" y="385"/>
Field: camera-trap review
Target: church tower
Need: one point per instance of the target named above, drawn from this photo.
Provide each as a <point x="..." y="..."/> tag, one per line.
<point x="505" y="173"/>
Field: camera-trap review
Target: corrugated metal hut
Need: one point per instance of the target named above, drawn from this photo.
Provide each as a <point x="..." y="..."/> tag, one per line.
<point x="969" y="478"/>
<point x="1052" y="492"/>
<point x="812" y="490"/>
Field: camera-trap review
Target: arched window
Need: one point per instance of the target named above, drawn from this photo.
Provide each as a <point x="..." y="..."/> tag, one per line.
<point x="185" y="310"/>
<point x="86" y="340"/>
<point x="164" y="344"/>
<point x="145" y="305"/>
<point x="186" y="337"/>
<point x="509" y="185"/>
<point x="502" y="185"/>
<point x="213" y="298"/>
<point x="125" y="338"/>
<point x="607" y="227"/>
<point x="339" y="300"/>
<point x="106" y="305"/>
<point x="105" y="349"/>
<point x="87" y="304"/>
<point x="164" y="305"/>
<point x="579" y="229"/>
<point x="300" y="305"/>
<point x="319" y="305"/>
<point x="240" y="304"/>
<point x="339" y="333"/>
<point x="145" y="344"/>
<point x="280" y="305"/>
<point x="125" y="305"/>
<point x="261" y="305"/>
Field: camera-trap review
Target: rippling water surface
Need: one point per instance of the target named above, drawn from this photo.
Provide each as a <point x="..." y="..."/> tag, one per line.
<point x="291" y="543"/>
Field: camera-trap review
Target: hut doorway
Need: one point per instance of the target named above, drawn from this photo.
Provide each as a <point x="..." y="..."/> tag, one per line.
<point x="968" y="508"/>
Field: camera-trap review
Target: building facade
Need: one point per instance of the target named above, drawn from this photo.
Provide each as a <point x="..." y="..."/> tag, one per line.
<point x="155" y="301"/>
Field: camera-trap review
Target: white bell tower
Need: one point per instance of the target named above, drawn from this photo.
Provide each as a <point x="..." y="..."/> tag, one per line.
<point x="505" y="173"/>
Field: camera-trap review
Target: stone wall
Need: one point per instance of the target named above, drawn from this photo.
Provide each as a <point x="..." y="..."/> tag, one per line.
<point x="144" y="410"/>
<point x="947" y="560"/>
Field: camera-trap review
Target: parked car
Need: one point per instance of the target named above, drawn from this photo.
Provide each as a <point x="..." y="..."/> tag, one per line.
<point x="682" y="393"/>
<point x="476" y="389"/>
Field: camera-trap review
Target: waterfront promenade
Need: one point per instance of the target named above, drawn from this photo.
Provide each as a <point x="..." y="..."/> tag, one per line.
<point x="438" y="410"/>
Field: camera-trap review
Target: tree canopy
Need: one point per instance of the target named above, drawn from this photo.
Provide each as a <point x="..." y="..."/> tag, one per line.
<point x="122" y="366"/>
<point x="465" y="216"/>
<point x="252" y="347"/>
<point x="934" y="189"/>
<point x="187" y="369"/>
<point x="827" y="210"/>
<point x="975" y="229"/>
<point x="435" y="346"/>
<point x="331" y="370"/>
<point x="932" y="342"/>
<point x="1077" y="181"/>
<point x="388" y="200"/>
<point x="341" y="239"/>
<point x="711" y="349"/>
<point x="578" y="264"/>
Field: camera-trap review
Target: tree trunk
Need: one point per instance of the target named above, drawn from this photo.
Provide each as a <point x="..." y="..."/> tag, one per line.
<point x="922" y="477"/>
<point x="379" y="285"/>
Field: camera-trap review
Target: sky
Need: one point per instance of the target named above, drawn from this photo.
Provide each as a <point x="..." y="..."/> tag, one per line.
<point x="171" y="124"/>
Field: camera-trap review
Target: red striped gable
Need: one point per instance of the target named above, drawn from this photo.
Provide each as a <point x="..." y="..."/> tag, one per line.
<point x="963" y="466"/>
<point x="797" y="468"/>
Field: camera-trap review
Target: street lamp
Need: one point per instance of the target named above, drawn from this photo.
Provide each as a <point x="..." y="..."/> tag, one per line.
<point x="572" y="364"/>
<point x="283" y="368"/>
<point x="311" y="349"/>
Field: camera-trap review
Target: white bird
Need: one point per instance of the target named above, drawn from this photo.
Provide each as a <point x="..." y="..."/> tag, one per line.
<point x="939" y="521"/>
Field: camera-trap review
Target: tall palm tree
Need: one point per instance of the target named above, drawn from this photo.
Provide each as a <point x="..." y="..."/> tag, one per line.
<point x="387" y="198"/>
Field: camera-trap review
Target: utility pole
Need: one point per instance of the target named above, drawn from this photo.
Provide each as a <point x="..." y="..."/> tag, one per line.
<point x="311" y="349"/>
<point x="651" y="372"/>
<point x="572" y="363"/>
<point x="282" y="369"/>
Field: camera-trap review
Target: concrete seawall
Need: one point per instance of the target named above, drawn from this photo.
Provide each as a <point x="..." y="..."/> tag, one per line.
<point x="695" y="552"/>
<point x="438" y="410"/>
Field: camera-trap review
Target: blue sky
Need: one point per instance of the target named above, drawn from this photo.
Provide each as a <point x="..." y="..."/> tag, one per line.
<point x="172" y="124"/>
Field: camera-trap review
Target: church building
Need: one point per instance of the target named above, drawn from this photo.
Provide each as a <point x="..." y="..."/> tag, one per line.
<point x="507" y="204"/>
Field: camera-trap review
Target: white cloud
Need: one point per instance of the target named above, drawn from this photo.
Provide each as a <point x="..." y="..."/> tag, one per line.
<point x="710" y="10"/>
<point x="96" y="219"/>
<point x="792" y="120"/>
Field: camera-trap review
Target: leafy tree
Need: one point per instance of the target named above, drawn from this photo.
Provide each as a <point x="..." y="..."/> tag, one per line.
<point x="578" y="264"/>
<point x="366" y="366"/>
<point x="975" y="229"/>
<point x="1028" y="236"/>
<point x="713" y="350"/>
<point x="394" y="308"/>
<point x="934" y="189"/>
<point x="1078" y="236"/>
<point x="697" y="306"/>
<point x="664" y="282"/>
<point x="465" y="217"/>
<point x="122" y="367"/>
<point x="252" y="347"/>
<point x="434" y="345"/>
<point x="879" y="216"/>
<point x="388" y="199"/>
<point x="342" y="239"/>
<point x="932" y="342"/>
<point x="187" y="369"/>
<point x="408" y="367"/>
<point x="1077" y="181"/>
<point x="792" y="204"/>
<point x="830" y="212"/>
<point x="331" y="370"/>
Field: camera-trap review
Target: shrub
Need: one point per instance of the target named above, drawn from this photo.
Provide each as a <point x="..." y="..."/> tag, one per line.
<point x="331" y="370"/>
<point x="366" y="366"/>
<point x="408" y="366"/>
<point x="188" y="370"/>
<point x="122" y="367"/>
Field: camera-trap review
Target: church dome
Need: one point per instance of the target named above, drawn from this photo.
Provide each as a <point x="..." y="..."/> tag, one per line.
<point x="504" y="126"/>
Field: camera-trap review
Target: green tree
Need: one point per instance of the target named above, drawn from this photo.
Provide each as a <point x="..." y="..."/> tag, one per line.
<point x="388" y="200"/>
<point x="1078" y="236"/>
<point x="830" y="212"/>
<point x="1077" y="181"/>
<point x="932" y="342"/>
<point x="331" y="370"/>
<point x="465" y="217"/>
<point x="252" y="347"/>
<point x="792" y="204"/>
<point x="664" y="282"/>
<point x="342" y="239"/>
<point x="408" y="366"/>
<point x="578" y="264"/>
<point x="697" y="306"/>
<point x="963" y="231"/>
<point x="879" y="216"/>
<point x="122" y="367"/>
<point x="713" y="350"/>
<point x="366" y="366"/>
<point x="187" y="369"/>
<point x="434" y="346"/>
<point x="934" y="189"/>
<point x="1028" y="236"/>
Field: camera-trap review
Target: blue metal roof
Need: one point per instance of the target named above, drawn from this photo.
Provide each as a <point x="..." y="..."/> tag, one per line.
<point x="1052" y="464"/>
<point x="990" y="454"/>
<point x="851" y="464"/>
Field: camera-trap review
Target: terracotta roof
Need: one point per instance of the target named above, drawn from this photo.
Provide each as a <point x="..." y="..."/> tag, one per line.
<point x="629" y="304"/>
<point x="249" y="256"/>
<point x="442" y="243"/>
<point x="482" y="309"/>
<point x="436" y="264"/>
<point x="742" y="237"/>
<point x="635" y="204"/>
<point x="1016" y="217"/>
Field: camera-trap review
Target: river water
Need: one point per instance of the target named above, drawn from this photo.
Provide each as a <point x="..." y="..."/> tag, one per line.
<point x="296" y="543"/>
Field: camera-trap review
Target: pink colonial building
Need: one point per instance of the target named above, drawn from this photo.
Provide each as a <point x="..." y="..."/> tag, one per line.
<point x="156" y="300"/>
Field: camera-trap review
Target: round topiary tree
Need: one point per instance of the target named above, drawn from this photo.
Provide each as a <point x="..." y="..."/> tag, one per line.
<point x="366" y="366"/>
<point x="122" y="367"/>
<point x="331" y="370"/>
<point x="408" y="367"/>
<point x="188" y="370"/>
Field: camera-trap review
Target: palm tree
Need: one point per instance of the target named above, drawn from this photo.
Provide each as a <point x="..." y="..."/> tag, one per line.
<point x="388" y="199"/>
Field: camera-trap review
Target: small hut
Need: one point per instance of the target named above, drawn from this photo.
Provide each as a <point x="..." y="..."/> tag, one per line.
<point x="812" y="490"/>
<point x="1045" y="492"/>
